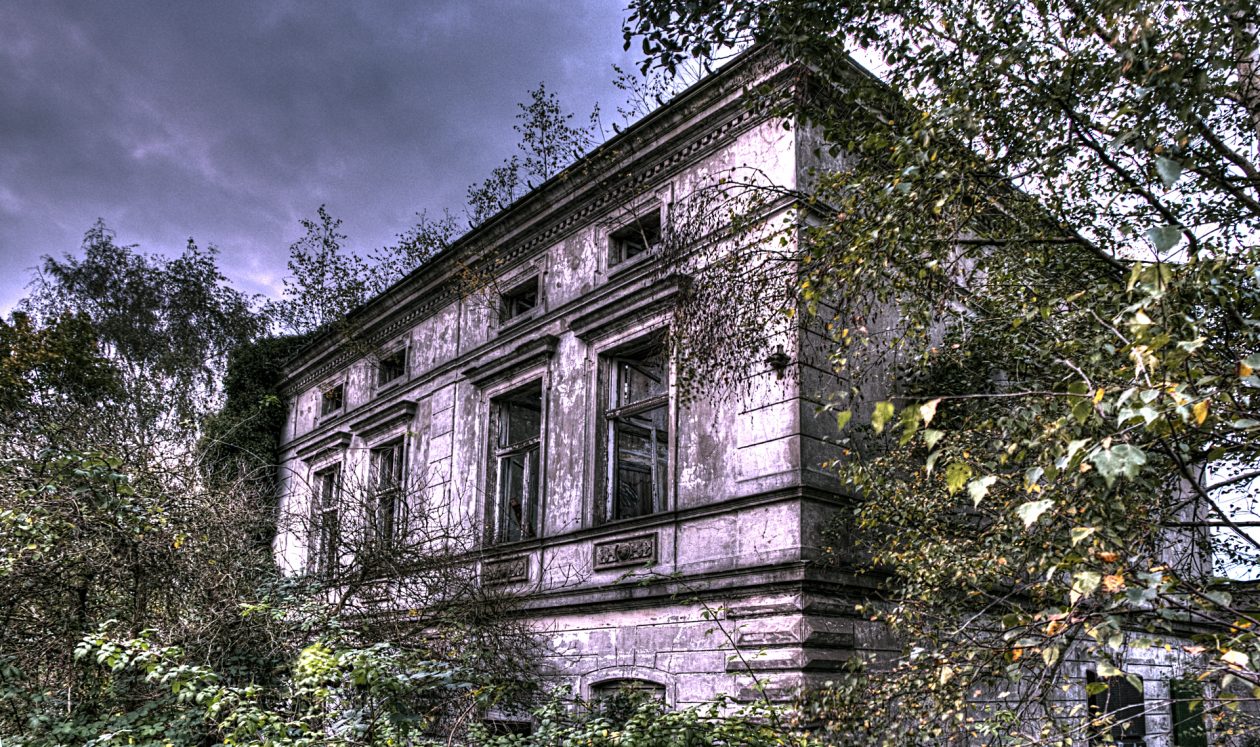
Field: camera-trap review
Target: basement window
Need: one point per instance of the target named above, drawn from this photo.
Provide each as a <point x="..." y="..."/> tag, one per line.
<point x="643" y="236"/>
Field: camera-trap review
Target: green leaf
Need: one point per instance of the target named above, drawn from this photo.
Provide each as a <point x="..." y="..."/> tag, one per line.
<point x="883" y="413"/>
<point x="979" y="488"/>
<point x="1121" y="460"/>
<point x="1032" y="510"/>
<point x="1169" y="171"/>
<point x="931" y="437"/>
<point x="1080" y="533"/>
<point x="1083" y="584"/>
<point x="1164" y="237"/>
<point x="957" y="475"/>
<point x="842" y="419"/>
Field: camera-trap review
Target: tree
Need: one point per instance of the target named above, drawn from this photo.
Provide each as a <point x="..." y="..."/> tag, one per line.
<point x="166" y="324"/>
<point x="1037" y="268"/>
<point x="549" y="143"/>
<point x="140" y="602"/>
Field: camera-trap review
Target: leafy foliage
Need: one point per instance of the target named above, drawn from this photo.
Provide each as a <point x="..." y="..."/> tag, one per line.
<point x="1037" y="272"/>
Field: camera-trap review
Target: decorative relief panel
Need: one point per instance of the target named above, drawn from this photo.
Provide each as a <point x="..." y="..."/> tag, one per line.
<point x="630" y="551"/>
<point x="505" y="571"/>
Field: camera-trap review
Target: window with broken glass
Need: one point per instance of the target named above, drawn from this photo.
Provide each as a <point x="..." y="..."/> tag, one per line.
<point x="331" y="399"/>
<point x="640" y="237"/>
<point x="326" y="521"/>
<point x="388" y="503"/>
<point x="517" y="438"/>
<point x="519" y="302"/>
<point x="391" y="367"/>
<point x="637" y="430"/>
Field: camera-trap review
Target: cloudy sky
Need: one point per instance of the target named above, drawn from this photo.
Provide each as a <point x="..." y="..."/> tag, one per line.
<point x="229" y="121"/>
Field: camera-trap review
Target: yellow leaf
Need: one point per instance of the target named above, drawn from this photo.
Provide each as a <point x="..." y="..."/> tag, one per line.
<point x="1236" y="659"/>
<point x="1244" y="370"/>
<point x="1098" y="395"/>
<point x="1200" y="410"/>
<point x="928" y="410"/>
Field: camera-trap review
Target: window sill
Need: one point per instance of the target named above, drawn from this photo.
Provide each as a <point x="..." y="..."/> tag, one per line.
<point x="625" y="266"/>
<point x="511" y="323"/>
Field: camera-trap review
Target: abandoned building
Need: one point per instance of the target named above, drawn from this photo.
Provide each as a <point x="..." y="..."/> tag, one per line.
<point x="517" y="386"/>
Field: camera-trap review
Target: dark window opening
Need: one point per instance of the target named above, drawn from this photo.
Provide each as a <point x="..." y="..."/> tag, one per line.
<point x="517" y="438"/>
<point x="504" y="728"/>
<point x="519" y="301"/>
<point x="326" y="520"/>
<point x="391" y="367"/>
<point x="1117" y="710"/>
<point x="640" y="237"/>
<point x="331" y="399"/>
<point x="388" y="504"/>
<point x="619" y="700"/>
<point x="637" y="427"/>
<point x="1189" y="727"/>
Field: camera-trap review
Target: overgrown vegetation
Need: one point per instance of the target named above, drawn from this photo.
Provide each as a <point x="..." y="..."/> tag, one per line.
<point x="1037" y="274"/>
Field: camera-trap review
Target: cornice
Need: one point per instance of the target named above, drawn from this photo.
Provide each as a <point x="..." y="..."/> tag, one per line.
<point x="621" y="168"/>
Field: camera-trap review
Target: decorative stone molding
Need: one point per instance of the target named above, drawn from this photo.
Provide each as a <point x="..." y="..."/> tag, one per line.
<point x="523" y="356"/>
<point x="639" y="550"/>
<point x="396" y="413"/>
<point x="505" y="571"/>
<point x="322" y="448"/>
<point x="618" y="312"/>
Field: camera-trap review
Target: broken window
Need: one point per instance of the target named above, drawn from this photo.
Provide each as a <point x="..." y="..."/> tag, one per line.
<point x="517" y="426"/>
<point x="640" y="237"/>
<point x="1117" y="710"/>
<point x="388" y="504"/>
<point x="519" y="301"/>
<point x="619" y="700"/>
<point x="331" y="399"/>
<point x="637" y="428"/>
<point x="326" y="522"/>
<point x="391" y="366"/>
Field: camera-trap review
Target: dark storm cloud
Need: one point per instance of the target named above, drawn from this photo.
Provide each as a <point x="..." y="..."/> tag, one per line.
<point x="228" y="122"/>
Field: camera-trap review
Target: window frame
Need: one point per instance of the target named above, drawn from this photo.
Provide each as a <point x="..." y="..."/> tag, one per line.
<point x="634" y="229"/>
<point x="323" y="547"/>
<point x="400" y="351"/>
<point x="500" y="452"/>
<point x="325" y="410"/>
<point x="387" y="530"/>
<point x="611" y="416"/>
<point x="1129" y="727"/>
<point x="508" y="317"/>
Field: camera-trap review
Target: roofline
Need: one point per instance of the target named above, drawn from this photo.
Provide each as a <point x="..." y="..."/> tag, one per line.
<point x="473" y="235"/>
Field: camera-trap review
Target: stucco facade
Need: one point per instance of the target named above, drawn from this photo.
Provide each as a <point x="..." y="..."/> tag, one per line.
<point x="516" y="384"/>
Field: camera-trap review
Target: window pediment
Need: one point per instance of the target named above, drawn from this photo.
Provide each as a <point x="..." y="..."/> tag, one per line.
<point x="384" y="419"/>
<point x="321" y="448"/>
<point x="617" y="312"/>
<point x="530" y="353"/>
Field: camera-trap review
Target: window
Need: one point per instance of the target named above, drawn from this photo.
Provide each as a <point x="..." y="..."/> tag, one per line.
<point x="1189" y="728"/>
<point x="391" y="366"/>
<point x="640" y="237"/>
<point x="1116" y="709"/>
<point x="519" y="301"/>
<point x="332" y="398"/>
<point x="517" y="426"/>
<point x="636" y="425"/>
<point x="388" y="503"/>
<point x="325" y="522"/>
<point x="619" y="700"/>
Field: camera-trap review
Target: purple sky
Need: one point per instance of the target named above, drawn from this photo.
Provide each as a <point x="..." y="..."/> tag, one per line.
<point x="229" y="121"/>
